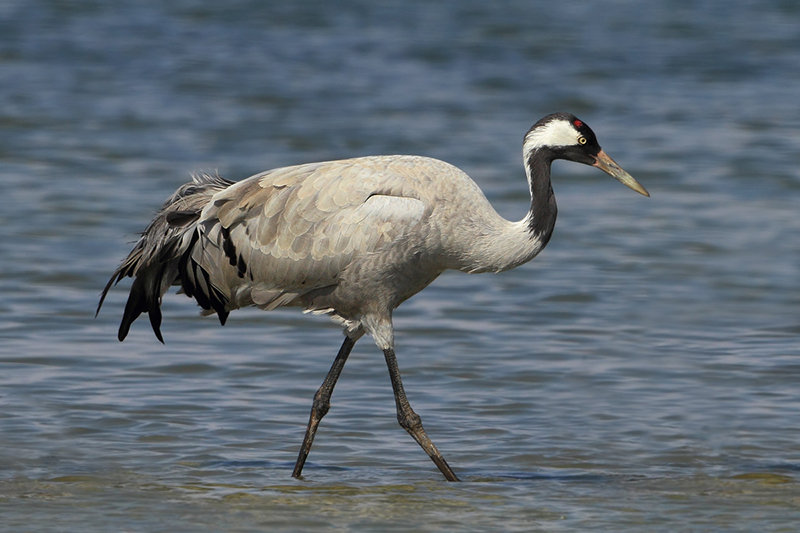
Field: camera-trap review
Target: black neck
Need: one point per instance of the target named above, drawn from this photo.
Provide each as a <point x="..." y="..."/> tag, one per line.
<point x="543" y="201"/>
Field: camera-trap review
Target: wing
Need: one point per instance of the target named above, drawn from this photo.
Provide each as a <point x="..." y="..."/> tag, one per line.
<point x="278" y="235"/>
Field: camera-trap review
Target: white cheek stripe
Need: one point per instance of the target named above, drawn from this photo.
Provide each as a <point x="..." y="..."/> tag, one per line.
<point x="555" y="133"/>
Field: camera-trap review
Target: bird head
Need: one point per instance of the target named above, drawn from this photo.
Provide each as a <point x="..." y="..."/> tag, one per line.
<point x="565" y="136"/>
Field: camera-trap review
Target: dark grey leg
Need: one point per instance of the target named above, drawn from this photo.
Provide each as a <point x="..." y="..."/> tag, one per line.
<point x="322" y="402"/>
<point x="410" y="421"/>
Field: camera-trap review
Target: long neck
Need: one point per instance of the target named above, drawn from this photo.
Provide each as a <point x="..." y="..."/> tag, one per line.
<point x="541" y="218"/>
<point x="497" y="244"/>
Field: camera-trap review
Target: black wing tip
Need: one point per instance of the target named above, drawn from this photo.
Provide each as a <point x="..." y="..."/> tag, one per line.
<point x="123" y="331"/>
<point x="155" y="321"/>
<point x="100" y="303"/>
<point x="125" y="328"/>
<point x="115" y="278"/>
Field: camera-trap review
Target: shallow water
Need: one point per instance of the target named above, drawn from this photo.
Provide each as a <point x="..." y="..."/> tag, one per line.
<point x="641" y="374"/>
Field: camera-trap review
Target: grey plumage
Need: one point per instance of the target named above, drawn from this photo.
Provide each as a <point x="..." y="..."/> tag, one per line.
<point x="349" y="238"/>
<point x="352" y="239"/>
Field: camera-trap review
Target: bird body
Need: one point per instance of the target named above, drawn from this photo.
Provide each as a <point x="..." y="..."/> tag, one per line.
<point x="352" y="239"/>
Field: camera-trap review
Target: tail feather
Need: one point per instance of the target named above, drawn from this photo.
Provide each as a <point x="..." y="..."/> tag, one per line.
<point x="140" y="301"/>
<point x="159" y="258"/>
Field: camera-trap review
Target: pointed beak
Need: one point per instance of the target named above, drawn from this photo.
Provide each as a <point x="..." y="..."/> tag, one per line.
<point x="607" y="165"/>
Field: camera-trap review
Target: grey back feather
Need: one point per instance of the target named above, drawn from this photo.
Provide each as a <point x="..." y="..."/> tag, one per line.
<point x="290" y="232"/>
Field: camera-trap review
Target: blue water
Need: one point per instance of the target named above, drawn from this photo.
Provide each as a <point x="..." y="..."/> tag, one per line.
<point x="640" y="375"/>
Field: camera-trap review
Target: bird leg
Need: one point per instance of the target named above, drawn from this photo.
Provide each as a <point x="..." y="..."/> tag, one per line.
<point x="410" y="421"/>
<point x="322" y="402"/>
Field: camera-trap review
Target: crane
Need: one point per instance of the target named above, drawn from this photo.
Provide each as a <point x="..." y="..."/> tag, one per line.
<point x="352" y="239"/>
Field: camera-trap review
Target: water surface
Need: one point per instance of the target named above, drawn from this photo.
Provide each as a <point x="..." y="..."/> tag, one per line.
<point x="641" y="374"/>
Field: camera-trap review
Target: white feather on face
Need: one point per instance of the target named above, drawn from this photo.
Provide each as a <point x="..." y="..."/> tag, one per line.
<point x="554" y="133"/>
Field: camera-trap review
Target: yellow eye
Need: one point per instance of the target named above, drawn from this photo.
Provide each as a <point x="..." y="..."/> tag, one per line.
<point x="582" y="140"/>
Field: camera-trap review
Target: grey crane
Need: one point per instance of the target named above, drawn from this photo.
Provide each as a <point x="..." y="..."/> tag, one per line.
<point x="352" y="239"/>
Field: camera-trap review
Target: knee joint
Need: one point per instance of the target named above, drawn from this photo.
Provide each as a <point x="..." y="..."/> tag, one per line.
<point x="321" y="405"/>
<point x="410" y="421"/>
